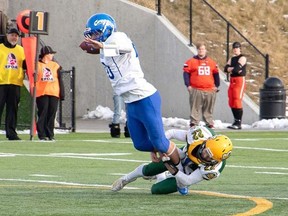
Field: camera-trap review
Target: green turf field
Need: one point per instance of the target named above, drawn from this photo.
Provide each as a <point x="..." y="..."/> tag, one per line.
<point x="72" y="176"/>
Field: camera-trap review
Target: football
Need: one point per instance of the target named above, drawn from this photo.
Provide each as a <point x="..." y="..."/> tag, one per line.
<point x="88" y="48"/>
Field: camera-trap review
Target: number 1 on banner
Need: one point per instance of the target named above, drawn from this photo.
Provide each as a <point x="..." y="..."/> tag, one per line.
<point x="40" y="16"/>
<point x="38" y="22"/>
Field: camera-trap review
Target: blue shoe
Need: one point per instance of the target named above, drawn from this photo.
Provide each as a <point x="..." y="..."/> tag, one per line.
<point x="183" y="191"/>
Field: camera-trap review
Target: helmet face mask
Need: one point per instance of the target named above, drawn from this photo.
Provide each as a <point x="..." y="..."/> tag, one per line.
<point x="93" y="35"/>
<point x="100" y="27"/>
<point x="205" y="155"/>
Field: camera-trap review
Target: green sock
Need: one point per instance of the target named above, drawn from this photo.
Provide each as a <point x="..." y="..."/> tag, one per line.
<point x="153" y="168"/>
<point x="166" y="186"/>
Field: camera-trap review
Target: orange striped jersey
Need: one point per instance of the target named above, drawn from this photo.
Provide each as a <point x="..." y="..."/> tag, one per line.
<point x="201" y="71"/>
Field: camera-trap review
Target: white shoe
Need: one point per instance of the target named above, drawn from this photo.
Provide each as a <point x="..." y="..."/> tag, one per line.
<point x="120" y="183"/>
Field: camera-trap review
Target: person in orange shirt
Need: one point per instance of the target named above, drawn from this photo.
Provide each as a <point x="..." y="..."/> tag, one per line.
<point x="49" y="89"/>
<point x="201" y="76"/>
<point x="236" y="67"/>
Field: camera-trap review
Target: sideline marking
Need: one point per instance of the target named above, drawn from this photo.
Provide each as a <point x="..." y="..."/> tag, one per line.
<point x="262" y="204"/>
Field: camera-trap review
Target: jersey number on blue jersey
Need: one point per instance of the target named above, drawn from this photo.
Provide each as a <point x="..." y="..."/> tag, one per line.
<point x="108" y="71"/>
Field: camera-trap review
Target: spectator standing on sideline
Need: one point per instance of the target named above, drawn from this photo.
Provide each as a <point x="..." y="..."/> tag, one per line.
<point x="143" y="102"/>
<point x="201" y="76"/>
<point x="49" y="88"/>
<point x="115" y="130"/>
<point x="236" y="67"/>
<point x="12" y="65"/>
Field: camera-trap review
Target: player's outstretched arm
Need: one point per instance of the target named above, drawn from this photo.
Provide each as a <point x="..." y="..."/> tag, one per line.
<point x="177" y="134"/>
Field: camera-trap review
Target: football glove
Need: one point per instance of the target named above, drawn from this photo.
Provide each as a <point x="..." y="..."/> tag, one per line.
<point x="209" y="173"/>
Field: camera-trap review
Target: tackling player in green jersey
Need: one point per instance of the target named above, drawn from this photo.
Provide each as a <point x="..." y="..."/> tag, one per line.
<point x="203" y="158"/>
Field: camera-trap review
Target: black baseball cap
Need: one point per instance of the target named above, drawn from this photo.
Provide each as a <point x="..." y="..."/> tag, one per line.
<point x="46" y="50"/>
<point x="13" y="30"/>
<point x="236" y="45"/>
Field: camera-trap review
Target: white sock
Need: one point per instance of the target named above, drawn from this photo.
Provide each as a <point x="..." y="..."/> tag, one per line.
<point x="135" y="173"/>
<point x="160" y="177"/>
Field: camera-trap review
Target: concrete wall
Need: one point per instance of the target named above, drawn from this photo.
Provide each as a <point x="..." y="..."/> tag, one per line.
<point x="162" y="50"/>
<point x="4" y="5"/>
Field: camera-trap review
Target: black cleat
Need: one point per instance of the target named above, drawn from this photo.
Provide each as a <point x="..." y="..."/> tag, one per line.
<point x="235" y="127"/>
<point x="126" y="132"/>
<point x="14" y="138"/>
<point x="115" y="130"/>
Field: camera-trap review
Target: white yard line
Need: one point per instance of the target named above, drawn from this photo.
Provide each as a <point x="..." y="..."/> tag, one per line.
<point x="262" y="149"/>
<point x="87" y="156"/>
<point x="259" y="139"/>
<point x="61" y="183"/>
<point x="73" y="184"/>
<point x="43" y="175"/>
<point x="272" y="173"/>
<point x="256" y="167"/>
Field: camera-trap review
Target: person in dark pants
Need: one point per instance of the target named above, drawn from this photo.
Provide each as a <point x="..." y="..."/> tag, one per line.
<point x="49" y="88"/>
<point x="12" y="65"/>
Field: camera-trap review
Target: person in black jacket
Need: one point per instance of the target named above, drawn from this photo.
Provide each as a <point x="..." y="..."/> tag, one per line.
<point x="12" y="66"/>
<point x="49" y="89"/>
<point x="236" y="67"/>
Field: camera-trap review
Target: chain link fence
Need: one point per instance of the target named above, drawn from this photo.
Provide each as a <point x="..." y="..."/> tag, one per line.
<point x="66" y="110"/>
